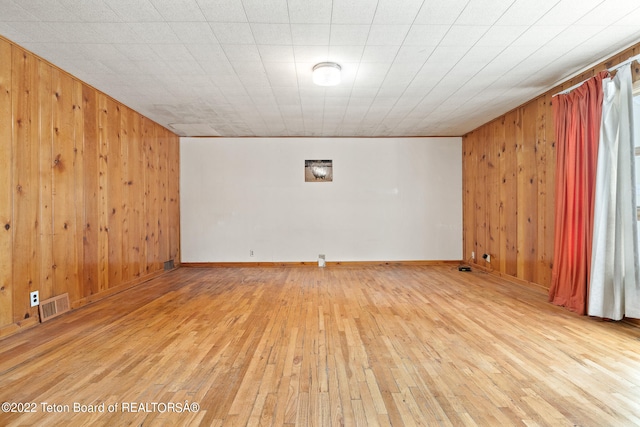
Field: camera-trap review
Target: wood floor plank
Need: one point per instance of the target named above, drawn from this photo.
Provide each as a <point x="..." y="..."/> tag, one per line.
<point x="361" y="345"/>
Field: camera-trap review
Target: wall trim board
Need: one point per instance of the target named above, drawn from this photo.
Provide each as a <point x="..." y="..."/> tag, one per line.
<point x="84" y="302"/>
<point x="524" y="283"/>
<point x="17" y="327"/>
<point x="116" y="290"/>
<point x="315" y="264"/>
<point x="633" y="322"/>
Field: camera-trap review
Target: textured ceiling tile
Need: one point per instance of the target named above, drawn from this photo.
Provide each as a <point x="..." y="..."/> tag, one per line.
<point x="501" y="35"/>
<point x="310" y="12"/>
<point x="458" y="64"/>
<point x="52" y="11"/>
<point x="630" y="19"/>
<point x="281" y="74"/>
<point x="608" y="13"/>
<point x="566" y="12"/>
<point x="402" y="74"/>
<point x="276" y="53"/>
<point x="95" y="11"/>
<point x="413" y="54"/>
<point x="179" y="10"/>
<point x="230" y="11"/>
<point x="102" y="51"/>
<point x="12" y="12"/>
<point x="252" y="75"/>
<point x="426" y="35"/>
<point x="69" y="30"/>
<point x="271" y="11"/>
<point x="386" y="35"/>
<point x="575" y="35"/>
<point x="440" y="12"/>
<point x="310" y="55"/>
<point x="526" y="12"/>
<point x="92" y="66"/>
<point x="447" y="56"/>
<point x="137" y="52"/>
<point x="233" y="33"/>
<point x="172" y="52"/>
<point x="310" y="34"/>
<point x="207" y="52"/>
<point x="194" y="32"/>
<point x="343" y="54"/>
<point x="480" y="56"/>
<point x="153" y="32"/>
<point x="390" y="12"/>
<point x="274" y="34"/>
<point x="353" y="11"/>
<point x="185" y="68"/>
<point x="25" y="32"/>
<point x="370" y="75"/>
<point x="379" y="53"/>
<point x="483" y="12"/>
<point x="538" y="35"/>
<point x="135" y="10"/>
<point x="349" y="35"/>
<point x="627" y="34"/>
<point x="242" y="52"/>
<point x="59" y="51"/>
<point x="463" y="35"/>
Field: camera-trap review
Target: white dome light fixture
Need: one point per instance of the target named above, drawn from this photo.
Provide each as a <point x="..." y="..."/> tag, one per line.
<point x="326" y="74"/>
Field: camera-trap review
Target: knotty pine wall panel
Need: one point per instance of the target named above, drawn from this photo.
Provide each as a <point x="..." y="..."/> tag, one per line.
<point x="125" y="209"/>
<point x="6" y="189"/>
<point x="90" y="205"/>
<point x="103" y="187"/>
<point x="47" y="188"/>
<point x="509" y="186"/>
<point x="89" y="200"/>
<point x="63" y="164"/>
<point x="163" y="205"/>
<point x="79" y="186"/>
<point x="136" y="188"/>
<point x="173" y="196"/>
<point x="26" y="257"/>
<point x="150" y="194"/>
<point x="114" y="192"/>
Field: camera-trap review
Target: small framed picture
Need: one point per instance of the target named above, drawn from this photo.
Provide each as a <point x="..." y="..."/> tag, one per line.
<point x="318" y="170"/>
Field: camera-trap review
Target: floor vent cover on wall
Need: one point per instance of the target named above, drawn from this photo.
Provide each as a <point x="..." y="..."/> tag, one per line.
<point x="54" y="307"/>
<point x="168" y="265"/>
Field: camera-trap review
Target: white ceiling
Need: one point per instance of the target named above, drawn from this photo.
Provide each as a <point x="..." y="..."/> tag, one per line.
<point x="243" y="67"/>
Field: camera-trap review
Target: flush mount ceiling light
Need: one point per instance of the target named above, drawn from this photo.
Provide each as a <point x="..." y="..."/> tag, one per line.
<point x="326" y="74"/>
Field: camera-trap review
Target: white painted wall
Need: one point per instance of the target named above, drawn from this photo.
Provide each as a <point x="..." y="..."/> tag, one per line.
<point x="391" y="199"/>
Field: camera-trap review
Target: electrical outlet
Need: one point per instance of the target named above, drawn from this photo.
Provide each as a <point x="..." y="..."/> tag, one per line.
<point x="34" y="297"/>
<point x="321" y="260"/>
<point x="250" y="252"/>
<point x="473" y="255"/>
<point x="488" y="258"/>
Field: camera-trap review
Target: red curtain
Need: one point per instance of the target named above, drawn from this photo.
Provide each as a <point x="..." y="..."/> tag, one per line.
<point x="577" y="117"/>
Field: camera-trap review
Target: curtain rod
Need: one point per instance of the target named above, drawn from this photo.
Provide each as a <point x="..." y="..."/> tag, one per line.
<point x="614" y="68"/>
<point x="623" y="63"/>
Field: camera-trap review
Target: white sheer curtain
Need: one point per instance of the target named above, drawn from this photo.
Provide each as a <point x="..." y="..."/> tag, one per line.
<point x="614" y="291"/>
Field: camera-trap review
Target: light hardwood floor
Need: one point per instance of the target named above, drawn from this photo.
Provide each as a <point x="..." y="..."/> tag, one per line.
<point x="367" y="345"/>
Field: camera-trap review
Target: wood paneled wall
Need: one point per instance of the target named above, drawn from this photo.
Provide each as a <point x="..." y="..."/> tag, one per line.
<point x="89" y="200"/>
<point x="509" y="186"/>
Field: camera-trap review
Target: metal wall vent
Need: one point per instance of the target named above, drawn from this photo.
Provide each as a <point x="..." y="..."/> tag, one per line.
<point x="168" y="265"/>
<point x="54" y="307"/>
